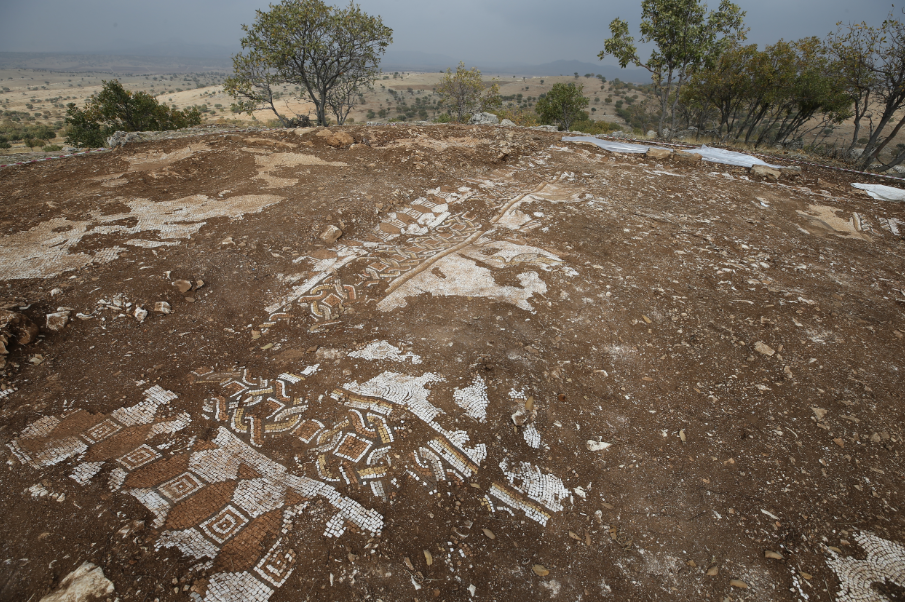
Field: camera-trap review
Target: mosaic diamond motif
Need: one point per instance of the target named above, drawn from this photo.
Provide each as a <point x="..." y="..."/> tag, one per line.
<point x="224" y="524"/>
<point x="276" y="566"/>
<point x="181" y="487"/>
<point x="101" y="431"/>
<point x="138" y="457"/>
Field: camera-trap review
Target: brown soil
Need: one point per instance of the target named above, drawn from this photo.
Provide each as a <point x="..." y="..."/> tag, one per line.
<point x="408" y="413"/>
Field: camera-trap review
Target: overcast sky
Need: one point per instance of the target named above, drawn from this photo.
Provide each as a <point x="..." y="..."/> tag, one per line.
<point x="530" y="31"/>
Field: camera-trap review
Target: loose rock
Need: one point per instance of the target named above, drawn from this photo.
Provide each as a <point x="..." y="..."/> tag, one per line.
<point x="14" y="327"/>
<point x="331" y="234"/>
<point x="595" y="446"/>
<point x="57" y="320"/>
<point x="162" y="307"/>
<point x="484" y="119"/>
<point x="658" y="153"/>
<point x="85" y="584"/>
<point x="687" y="157"/>
<point x="540" y="570"/>
<point x="765" y="172"/>
<point x="764" y="349"/>
<point x="140" y="314"/>
<point x="183" y="286"/>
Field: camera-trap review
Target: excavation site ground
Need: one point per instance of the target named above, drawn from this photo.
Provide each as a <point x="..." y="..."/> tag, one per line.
<point x="448" y="363"/>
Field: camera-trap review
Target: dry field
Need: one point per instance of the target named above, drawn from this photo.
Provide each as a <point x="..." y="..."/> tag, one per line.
<point x="45" y="94"/>
<point x="527" y="370"/>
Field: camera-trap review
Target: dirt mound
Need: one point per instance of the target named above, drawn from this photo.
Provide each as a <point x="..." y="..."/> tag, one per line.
<point x="526" y="369"/>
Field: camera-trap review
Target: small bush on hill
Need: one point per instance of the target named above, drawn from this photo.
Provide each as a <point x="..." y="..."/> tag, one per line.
<point x="594" y="127"/>
<point x="519" y="117"/>
<point x="52" y="148"/>
<point x="116" y="109"/>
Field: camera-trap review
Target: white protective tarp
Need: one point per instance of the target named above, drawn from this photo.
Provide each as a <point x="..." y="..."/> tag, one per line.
<point x="714" y="155"/>
<point x="882" y="193"/>
<point x="726" y="157"/>
<point x="613" y="147"/>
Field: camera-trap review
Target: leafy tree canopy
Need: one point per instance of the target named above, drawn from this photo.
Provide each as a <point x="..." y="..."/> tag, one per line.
<point x="563" y="105"/>
<point x="464" y="93"/>
<point x="685" y="36"/>
<point x="326" y="55"/>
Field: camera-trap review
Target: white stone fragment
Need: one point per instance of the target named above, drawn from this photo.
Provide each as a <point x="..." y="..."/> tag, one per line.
<point x="473" y="399"/>
<point x="382" y="350"/>
<point x="595" y="446"/>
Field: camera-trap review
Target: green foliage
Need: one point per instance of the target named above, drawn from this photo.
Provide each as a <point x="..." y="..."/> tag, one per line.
<point x="443" y="118"/>
<point x="562" y="105"/>
<point x="464" y="93"/>
<point x="116" y="109"/>
<point x="770" y="96"/>
<point x="520" y="116"/>
<point x="326" y="54"/>
<point x="5" y="144"/>
<point x="12" y="129"/>
<point x="52" y="148"/>
<point x="870" y="64"/>
<point x="594" y="127"/>
<point x="685" y="36"/>
<point x="638" y="118"/>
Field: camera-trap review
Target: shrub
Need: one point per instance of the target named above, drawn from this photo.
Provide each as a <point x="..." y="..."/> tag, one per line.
<point x="519" y="117"/>
<point x="52" y="148"/>
<point x="563" y="105"/>
<point x="116" y="109"/>
<point x="594" y="127"/>
<point x="5" y="145"/>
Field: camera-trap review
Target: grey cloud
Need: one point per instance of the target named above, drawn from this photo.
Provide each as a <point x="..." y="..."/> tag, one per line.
<point x="496" y="31"/>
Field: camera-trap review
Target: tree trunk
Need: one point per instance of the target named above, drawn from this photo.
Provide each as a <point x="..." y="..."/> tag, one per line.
<point x="876" y="152"/>
<point x="664" y="103"/>
<point x="675" y="103"/>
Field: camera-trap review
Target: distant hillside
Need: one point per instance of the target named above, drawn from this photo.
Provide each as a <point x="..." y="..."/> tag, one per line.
<point x="403" y="60"/>
<point x="103" y="63"/>
<point x="186" y="58"/>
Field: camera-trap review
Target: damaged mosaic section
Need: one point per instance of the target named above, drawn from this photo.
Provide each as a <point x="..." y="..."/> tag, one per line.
<point x="885" y="561"/>
<point x="447" y="254"/>
<point x="45" y="250"/>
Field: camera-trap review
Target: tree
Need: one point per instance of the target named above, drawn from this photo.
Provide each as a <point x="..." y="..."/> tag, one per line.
<point x="464" y="93"/>
<point x="685" y="36"/>
<point x="115" y="109"/>
<point x="771" y="95"/>
<point x="871" y="63"/>
<point x="325" y="54"/>
<point x="563" y="105"/>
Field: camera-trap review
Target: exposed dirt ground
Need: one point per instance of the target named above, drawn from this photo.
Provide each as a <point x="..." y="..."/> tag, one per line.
<point x="420" y="409"/>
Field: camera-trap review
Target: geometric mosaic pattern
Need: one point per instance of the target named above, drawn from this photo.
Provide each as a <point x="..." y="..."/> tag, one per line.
<point x="885" y="561"/>
<point x="205" y="501"/>
<point x="355" y="450"/>
<point x="224" y="524"/>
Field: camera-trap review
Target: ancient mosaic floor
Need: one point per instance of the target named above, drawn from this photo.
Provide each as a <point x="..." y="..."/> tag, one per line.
<point x="364" y="394"/>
